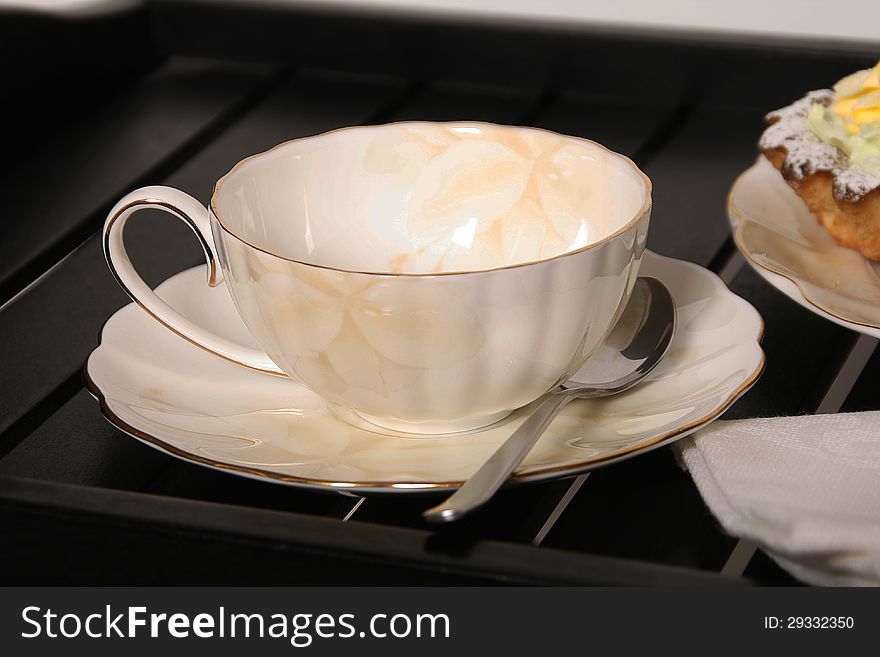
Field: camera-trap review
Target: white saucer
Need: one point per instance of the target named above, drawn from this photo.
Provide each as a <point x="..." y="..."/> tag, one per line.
<point x="787" y="247"/>
<point x="184" y="401"/>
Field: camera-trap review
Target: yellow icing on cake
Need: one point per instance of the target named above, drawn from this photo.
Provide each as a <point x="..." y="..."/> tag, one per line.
<point x="852" y="122"/>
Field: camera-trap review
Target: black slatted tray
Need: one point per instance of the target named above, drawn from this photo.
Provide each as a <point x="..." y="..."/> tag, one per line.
<point x="205" y="85"/>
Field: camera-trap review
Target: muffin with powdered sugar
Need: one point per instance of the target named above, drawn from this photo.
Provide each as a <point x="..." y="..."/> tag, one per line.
<point x="827" y="147"/>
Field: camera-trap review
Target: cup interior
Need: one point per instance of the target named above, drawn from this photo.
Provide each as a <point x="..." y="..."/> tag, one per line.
<point x="423" y="198"/>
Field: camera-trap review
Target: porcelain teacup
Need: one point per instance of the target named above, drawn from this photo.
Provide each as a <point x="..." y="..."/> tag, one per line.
<point x="426" y="277"/>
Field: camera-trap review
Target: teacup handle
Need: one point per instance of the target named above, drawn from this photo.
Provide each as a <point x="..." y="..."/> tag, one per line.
<point x="195" y="215"/>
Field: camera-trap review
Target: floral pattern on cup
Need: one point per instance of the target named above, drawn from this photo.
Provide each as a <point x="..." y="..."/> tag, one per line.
<point x="490" y="196"/>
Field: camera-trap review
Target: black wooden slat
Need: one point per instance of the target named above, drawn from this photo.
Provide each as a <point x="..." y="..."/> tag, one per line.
<point x="188" y="481"/>
<point x="309" y="104"/>
<point x="464" y="102"/>
<point x="77" y="446"/>
<point x="774" y="79"/>
<point x="804" y="353"/>
<point x="645" y="508"/>
<point x="71" y="447"/>
<point x="56" y="324"/>
<point x="692" y="174"/>
<point x="623" y="125"/>
<point x="57" y="194"/>
<point x="120" y="537"/>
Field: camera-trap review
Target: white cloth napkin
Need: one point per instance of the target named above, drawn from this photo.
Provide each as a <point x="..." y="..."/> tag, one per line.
<point x="806" y="489"/>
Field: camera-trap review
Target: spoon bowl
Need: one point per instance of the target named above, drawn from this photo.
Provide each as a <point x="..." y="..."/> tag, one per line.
<point x="634" y="347"/>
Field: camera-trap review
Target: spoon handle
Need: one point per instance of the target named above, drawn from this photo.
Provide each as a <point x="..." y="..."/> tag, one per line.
<point x="482" y="485"/>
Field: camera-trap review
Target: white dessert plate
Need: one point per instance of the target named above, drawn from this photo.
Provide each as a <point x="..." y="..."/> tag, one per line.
<point x="173" y="396"/>
<point x="785" y="244"/>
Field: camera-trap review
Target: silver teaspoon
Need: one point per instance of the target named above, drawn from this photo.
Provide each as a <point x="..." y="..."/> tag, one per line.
<point x="632" y="349"/>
